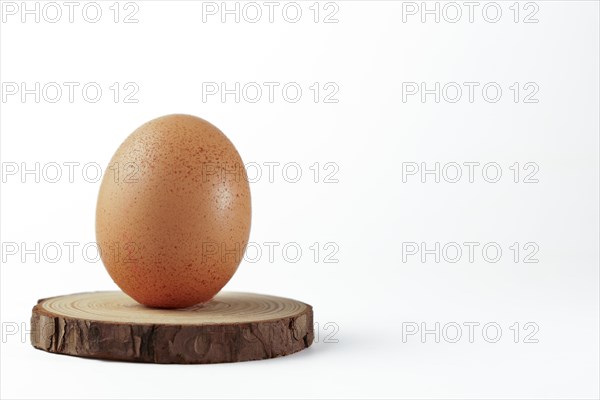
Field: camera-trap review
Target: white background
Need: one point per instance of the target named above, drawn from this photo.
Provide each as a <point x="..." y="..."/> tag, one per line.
<point x="370" y="296"/>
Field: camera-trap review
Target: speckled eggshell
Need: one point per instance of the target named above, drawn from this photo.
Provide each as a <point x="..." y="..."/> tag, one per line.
<point x="173" y="212"/>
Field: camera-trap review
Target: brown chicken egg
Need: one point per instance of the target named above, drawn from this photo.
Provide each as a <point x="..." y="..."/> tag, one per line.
<point x="173" y="212"/>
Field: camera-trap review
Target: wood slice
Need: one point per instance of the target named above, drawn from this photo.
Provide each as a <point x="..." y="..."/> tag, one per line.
<point x="231" y="327"/>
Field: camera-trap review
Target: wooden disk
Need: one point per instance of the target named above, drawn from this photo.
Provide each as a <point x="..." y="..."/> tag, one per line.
<point x="231" y="327"/>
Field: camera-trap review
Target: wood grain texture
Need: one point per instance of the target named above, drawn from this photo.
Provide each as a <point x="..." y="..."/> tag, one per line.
<point x="232" y="327"/>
